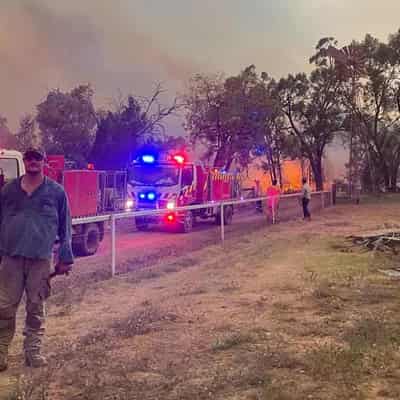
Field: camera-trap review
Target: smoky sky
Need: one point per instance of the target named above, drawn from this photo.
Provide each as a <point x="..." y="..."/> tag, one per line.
<point x="127" y="46"/>
<point x="42" y="47"/>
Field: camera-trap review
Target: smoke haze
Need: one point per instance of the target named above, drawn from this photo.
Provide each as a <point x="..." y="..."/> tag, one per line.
<point x="129" y="45"/>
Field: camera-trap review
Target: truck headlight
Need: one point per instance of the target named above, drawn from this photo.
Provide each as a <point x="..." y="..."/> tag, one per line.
<point x="171" y="205"/>
<point x="129" y="204"/>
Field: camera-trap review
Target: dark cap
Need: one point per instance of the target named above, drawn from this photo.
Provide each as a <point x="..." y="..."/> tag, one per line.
<point x="35" y="150"/>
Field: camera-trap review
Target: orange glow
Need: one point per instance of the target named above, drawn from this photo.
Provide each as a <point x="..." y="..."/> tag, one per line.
<point x="292" y="174"/>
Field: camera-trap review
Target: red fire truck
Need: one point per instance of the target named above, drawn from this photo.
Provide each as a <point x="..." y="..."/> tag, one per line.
<point x="166" y="182"/>
<point x="90" y="193"/>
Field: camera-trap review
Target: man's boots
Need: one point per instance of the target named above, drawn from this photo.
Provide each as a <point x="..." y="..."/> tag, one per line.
<point x="3" y="361"/>
<point x="35" y="360"/>
<point x="33" y="342"/>
<point x="32" y="350"/>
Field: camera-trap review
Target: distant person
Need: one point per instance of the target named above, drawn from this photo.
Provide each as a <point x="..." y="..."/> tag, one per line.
<point x="34" y="211"/>
<point x="273" y="195"/>
<point x="357" y="191"/>
<point x="305" y="199"/>
<point x="257" y="193"/>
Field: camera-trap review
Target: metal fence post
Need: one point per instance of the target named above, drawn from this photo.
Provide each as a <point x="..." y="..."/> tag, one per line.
<point x="222" y="224"/>
<point x="113" y="248"/>
<point x="323" y="199"/>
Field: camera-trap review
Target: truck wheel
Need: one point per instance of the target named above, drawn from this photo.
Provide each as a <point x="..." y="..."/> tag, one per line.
<point x="88" y="242"/>
<point x="141" y="224"/>
<point x="228" y="216"/>
<point x="186" y="226"/>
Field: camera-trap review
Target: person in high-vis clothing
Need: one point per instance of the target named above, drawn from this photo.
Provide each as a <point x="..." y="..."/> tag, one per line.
<point x="273" y="195"/>
<point x="34" y="212"/>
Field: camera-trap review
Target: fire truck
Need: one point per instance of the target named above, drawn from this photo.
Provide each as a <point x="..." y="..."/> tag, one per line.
<point x="166" y="182"/>
<point x="90" y="193"/>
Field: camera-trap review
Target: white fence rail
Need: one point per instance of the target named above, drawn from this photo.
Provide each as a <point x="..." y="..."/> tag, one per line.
<point x="112" y="218"/>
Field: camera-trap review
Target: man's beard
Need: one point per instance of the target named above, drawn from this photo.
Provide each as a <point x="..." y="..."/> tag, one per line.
<point x="34" y="174"/>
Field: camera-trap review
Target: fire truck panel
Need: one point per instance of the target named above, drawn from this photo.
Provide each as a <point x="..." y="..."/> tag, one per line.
<point x="82" y="188"/>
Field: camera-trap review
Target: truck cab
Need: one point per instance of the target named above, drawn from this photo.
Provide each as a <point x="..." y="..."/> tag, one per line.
<point x="11" y="166"/>
<point x="157" y="184"/>
<point x="173" y="182"/>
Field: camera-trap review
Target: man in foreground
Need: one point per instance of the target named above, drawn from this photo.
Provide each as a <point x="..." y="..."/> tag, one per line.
<point x="34" y="211"/>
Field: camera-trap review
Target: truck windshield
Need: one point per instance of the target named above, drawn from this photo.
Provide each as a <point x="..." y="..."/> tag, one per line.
<point x="9" y="168"/>
<point x="155" y="175"/>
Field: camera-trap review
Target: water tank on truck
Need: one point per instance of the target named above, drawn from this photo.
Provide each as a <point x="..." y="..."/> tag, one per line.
<point x="90" y="193"/>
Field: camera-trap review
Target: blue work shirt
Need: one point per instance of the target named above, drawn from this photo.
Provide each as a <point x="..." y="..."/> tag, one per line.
<point x="30" y="225"/>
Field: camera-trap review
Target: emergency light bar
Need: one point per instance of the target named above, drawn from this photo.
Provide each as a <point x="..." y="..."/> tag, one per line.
<point x="148" y="159"/>
<point x="151" y="196"/>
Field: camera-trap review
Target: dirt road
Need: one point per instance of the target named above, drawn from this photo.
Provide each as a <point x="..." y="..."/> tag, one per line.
<point x="140" y="249"/>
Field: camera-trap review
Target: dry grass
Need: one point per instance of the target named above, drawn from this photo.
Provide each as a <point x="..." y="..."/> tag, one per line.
<point x="230" y="340"/>
<point x="288" y="313"/>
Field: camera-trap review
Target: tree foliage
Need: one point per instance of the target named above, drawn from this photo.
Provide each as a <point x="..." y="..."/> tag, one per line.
<point x="376" y="109"/>
<point x="228" y="116"/>
<point x="7" y="139"/>
<point x="132" y="122"/>
<point x="27" y="135"/>
<point x="310" y="104"/>
<point x="67" y="122"/>
<point x="167" y="143"/>
<point x="377" y="112"/>
<point x="354" y="89"/>
<point x="204" y="103"/>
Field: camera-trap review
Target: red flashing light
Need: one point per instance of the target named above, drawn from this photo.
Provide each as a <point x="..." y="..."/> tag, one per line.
<point x="179" y="158"/>
<point x="170" y="218"/>
<point x="90" y="166"/>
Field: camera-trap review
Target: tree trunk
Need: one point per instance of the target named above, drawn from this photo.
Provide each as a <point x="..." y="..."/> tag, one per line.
<point x="386" y="178"/>
<point x="393" y="178"/>
<point x="220" y="158"/>
<point x="279" y="171"/>
<point x="272" y="166"/>
<point x="228" y="164"/>
<point x="387" y="172"/>
<point x="316" y="166"/>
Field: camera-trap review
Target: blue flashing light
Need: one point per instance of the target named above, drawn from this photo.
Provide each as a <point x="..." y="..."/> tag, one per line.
<point x="151" y="196"/>
<point x="142" y="196"/>
<point x="148" y="159"/>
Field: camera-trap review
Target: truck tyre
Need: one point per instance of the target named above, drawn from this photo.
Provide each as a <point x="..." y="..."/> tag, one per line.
<point x="228" y="216"/>
<point x="186" y="226"/>
<point x="141" y="224"/>
<point x="88" y="242"/>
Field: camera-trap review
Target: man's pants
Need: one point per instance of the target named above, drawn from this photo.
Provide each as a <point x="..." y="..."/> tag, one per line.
<point x="306" y="212"/>
<point x="18" y="274"/>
